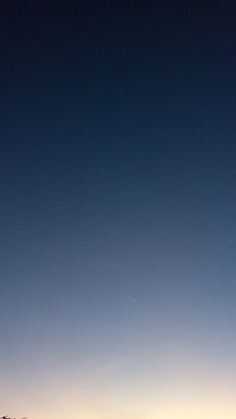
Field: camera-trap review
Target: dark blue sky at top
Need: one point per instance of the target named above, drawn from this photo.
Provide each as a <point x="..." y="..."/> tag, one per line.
<point x="117" y="161"/>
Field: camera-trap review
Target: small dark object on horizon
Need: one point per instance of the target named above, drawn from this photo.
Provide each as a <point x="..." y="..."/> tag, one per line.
<point x="8" y="417"/>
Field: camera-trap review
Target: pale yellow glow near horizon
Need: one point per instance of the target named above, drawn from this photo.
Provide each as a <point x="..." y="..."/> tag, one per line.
<point x="124" y="390"/>
<point x="182" y="403"/>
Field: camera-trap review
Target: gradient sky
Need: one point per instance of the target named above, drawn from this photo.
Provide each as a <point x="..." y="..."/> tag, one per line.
<point x="117" y="210"/>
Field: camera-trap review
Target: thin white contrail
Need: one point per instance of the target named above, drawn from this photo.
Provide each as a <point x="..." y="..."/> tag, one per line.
<point x="132" y="299"/>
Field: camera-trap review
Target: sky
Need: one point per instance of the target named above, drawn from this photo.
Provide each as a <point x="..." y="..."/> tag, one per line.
<point x="117" y="209"/>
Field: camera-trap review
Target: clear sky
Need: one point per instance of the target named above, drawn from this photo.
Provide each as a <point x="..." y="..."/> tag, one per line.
<point x="117" y="210"/>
